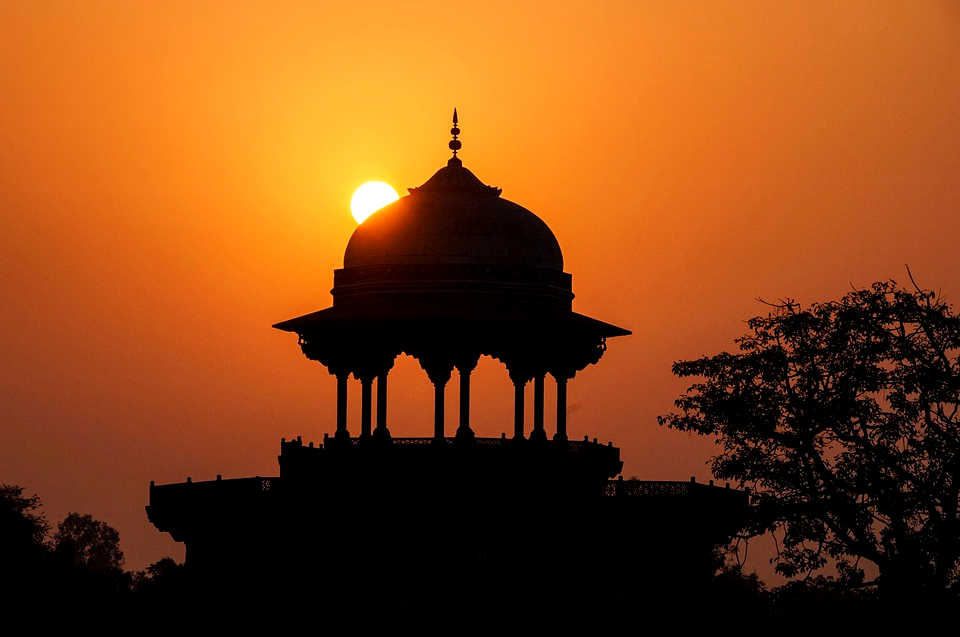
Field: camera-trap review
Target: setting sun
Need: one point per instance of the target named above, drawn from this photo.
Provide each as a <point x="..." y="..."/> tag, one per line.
<point x="370" y="197"/>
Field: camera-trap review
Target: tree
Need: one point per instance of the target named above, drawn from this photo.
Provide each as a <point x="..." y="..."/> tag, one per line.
<point x="843" y="420"/>
<point x="22" y="526"/>
<point x="23" y="534"/>
<point x="165" y="579"/>
<point x="90" y="544"/>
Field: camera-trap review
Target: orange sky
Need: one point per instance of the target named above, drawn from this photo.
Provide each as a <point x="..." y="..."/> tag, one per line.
<point x="175" y="177"/>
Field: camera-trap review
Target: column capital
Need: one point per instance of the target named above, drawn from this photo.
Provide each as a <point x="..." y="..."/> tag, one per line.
<point x="438" y="369"/>
<point x="466" y="363"/>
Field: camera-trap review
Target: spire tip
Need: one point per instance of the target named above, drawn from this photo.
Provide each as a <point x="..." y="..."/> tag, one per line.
<point x="455" y="144"/>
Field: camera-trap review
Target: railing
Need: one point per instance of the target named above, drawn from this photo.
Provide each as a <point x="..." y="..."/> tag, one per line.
<point x="503" y="441"/>
<point x="573" y="445"/>
<point x="646" y="487"/>
<point x="669" y="488"/>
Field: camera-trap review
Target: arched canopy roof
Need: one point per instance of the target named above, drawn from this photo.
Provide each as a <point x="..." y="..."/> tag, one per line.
<point x="454" y="219"/>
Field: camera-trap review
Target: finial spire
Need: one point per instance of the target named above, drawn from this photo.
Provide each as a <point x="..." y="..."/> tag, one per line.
<point x="455" y="144"/>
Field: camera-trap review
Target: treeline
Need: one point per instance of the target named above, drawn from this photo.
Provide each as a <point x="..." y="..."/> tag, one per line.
<point x="76" y="568"/>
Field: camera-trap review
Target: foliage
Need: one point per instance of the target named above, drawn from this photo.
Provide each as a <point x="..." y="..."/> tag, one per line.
<point x="23" y="549"/>
<point x="21" y="523"/>
<point x="807" y="604"/>
<point x="164" y="578"/>
<point x="88" y="543"/>
<point x="80" y="570"/>
<point x="843" y="420"/>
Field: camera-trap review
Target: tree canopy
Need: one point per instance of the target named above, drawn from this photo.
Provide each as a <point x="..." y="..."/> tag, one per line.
<point x="843" y="420"/>
<point x="21" y="523"/>
<point x="79" y="569"/>
<point x="89" y="543"/>
<point x="23" y="532"/>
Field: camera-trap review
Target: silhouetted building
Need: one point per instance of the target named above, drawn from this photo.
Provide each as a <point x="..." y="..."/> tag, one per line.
<point x="447" y="274"/>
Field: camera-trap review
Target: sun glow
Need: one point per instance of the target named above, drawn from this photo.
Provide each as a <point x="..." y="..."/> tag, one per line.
<point x="370" y="197"/>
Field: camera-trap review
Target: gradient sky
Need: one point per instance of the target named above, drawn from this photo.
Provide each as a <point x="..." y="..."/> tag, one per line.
<point x="175" y="177"/>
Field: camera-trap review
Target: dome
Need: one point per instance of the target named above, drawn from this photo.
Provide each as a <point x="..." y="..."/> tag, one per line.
<point x="454" y="219"/>
<point x="452" y="262"/>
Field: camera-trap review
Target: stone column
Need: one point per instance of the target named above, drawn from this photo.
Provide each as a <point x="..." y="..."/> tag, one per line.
<point x="366" y="407"/>
<point x="465" y="368"/>
<point x="538" y="432"/>
<point x="438" y="388"/>
<point x="519" y="383"/>
<point x="381" y="432"/>
<point x="438" y="374"/>
<point x="561" y="435"/>
<point x="342" y="433"/>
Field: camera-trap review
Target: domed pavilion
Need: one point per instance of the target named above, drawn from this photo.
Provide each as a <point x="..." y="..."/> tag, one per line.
<point x="447" y="274"/>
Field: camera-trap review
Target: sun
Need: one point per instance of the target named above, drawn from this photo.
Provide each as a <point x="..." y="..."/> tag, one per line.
<point x="370" y="197"/>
